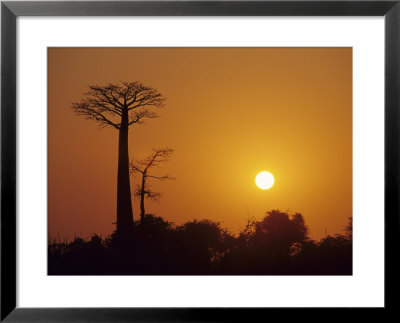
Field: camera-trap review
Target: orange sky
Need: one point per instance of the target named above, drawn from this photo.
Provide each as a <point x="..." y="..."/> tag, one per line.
<point x="230" y="113"/>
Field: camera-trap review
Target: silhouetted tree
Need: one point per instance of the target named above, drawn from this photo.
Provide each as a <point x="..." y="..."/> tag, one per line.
<point x="349" y="229"/>
<point x="197" y="245"/>
<point x="335" y="253"/>
<point x="267" y="246"/>
<point x="281" y="230"/>
<point x="144" y="166"/>
<point x="120" y="105"/>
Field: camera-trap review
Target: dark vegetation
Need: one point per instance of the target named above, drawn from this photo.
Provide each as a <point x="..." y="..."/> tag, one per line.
<point x="276" y="245"/>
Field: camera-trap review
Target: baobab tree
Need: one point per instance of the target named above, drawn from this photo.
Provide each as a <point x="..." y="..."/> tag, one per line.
<point x="144" y="166"/>
<point x="120" y="105"/>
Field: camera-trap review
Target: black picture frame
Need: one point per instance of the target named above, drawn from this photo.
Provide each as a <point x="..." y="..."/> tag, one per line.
<point x="10" y="10"/>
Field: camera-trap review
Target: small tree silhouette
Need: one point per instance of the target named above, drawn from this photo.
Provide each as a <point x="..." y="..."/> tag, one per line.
<point x="349" y="229"/>
<point x="158" y="156"/>
<point x="120" y="105"/>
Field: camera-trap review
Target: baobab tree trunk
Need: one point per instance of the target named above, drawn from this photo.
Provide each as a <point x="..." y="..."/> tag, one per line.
<point x="142" y="211"/>
<point x="124" y="201"/>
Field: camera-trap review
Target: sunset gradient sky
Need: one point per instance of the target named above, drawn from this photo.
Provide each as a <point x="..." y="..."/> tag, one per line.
<point x="230" y="114"/>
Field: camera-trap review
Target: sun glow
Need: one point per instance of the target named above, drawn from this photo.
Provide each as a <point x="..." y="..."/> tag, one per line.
<point x="265" y="180"/>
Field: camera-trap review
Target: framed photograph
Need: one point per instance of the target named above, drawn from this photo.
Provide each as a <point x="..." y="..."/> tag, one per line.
<point x="197" y="160"/>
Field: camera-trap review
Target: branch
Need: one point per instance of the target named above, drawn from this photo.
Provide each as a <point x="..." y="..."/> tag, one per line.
<point x="97" y="103"/>
<point x="161" y="178"/>
<point x="105" y="94"/>
<point x="154" y="196"/>
<point x="159" y="155"/>
<point x="135" y="168"/>
<point x="138" y="190"/>
<point x="137" y="116"/>
<point x="141" y="95"/>
<point x="84" y="109"/>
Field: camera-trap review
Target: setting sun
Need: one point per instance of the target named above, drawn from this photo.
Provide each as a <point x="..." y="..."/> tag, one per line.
<point x="265" y="180"/>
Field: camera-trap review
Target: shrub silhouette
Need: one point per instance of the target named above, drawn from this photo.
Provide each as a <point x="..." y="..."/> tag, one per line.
<point x="198" y="245"/>
<point x="266" y="246"/>
<point x="277" y="231"/>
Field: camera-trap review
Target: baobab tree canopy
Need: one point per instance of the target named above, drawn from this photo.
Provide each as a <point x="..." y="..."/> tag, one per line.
<point x="107" y="104"/>
<point x="120" y="105"/>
